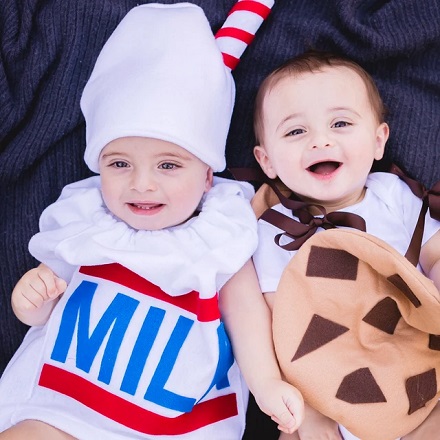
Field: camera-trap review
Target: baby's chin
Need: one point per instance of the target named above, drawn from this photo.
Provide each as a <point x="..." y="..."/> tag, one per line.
<point x="140" y="225"/>
<point x="334" y="203"/>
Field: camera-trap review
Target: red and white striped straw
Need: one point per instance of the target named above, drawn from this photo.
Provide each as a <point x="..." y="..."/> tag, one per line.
<point x="240" y="28"/>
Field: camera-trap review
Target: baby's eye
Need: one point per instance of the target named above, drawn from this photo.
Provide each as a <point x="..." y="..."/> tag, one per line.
<point x="340" y="124"/>
<point x="296" y="132"/>
<point x="168" y="166"/>
<point x="119" y="164"/>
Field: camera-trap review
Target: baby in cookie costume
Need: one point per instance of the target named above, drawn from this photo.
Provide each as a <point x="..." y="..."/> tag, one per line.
<point x="135" y="347"/>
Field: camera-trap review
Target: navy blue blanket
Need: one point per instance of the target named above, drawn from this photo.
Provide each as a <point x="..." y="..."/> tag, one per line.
<point x="48" y="49"/>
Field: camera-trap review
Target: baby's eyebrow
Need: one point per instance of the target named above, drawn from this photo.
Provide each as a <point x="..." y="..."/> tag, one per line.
<point x="183" y="156"/>
<point x="112" y="153"/>
<point x="172" y="155"/>
<point x="342" y="108"/>
<point x="287" y="118"/>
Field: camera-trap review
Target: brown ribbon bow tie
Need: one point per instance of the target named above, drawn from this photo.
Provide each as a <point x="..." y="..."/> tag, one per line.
<point x="307" y="224"/>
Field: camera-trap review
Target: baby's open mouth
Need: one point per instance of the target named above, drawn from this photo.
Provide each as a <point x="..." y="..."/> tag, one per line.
<point x="324" y="168"/>
<point x="146" y="206"/>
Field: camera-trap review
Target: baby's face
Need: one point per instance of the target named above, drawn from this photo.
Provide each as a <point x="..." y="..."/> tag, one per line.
<point x="151" y="184"/>
<point x="321" y="136"/>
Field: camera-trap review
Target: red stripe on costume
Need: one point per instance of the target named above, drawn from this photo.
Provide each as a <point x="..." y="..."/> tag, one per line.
<point x="236" y="33"/>
<point x="251" y="6"/>
<point x="131" y="415"/>
<point x="230" y="61"/>
<point x="206" y="309"/>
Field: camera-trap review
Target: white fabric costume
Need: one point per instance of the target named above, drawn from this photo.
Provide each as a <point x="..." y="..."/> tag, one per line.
<point x="390" y="211"/>
<point x="135" y="348"/>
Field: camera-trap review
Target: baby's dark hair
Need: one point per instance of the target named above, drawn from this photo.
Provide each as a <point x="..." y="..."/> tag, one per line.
<point x="314" y="61"/>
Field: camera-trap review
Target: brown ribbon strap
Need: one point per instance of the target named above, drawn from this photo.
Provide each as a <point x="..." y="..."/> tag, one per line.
<point x="431" y="200"/>
<point x="432" y="195"/>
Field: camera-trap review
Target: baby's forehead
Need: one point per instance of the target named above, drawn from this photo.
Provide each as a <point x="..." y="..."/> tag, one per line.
<point x="330" y="73"/>
<point x="329" y="84"/>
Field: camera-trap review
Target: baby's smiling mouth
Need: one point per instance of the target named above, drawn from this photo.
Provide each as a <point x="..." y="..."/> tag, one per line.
<point x="324" y="168"/>
<point x="146" y="206"/>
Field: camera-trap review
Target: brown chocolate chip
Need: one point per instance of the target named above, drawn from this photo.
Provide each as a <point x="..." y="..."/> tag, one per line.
<point x="331" y="263"/>
<point x="360" y="387"/>
<point x="320" y="331"/>
<point x="384" y="315"/>
<point x="421" y="389"/>
<point x="397" y="280"/>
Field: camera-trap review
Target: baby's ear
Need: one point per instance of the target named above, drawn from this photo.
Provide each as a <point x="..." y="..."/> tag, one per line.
<point x="382" y="134"/>
<point x="209" y="179"/>
<point x="264" y="161"/>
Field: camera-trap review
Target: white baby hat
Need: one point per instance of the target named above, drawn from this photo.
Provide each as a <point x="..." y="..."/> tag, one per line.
<point x="160" y="74"/>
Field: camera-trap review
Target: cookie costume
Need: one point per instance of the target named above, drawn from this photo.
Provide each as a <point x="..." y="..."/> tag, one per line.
<point x="354" y="321"/>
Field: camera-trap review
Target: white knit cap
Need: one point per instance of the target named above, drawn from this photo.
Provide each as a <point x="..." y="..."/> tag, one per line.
<point x="160" y="75"/>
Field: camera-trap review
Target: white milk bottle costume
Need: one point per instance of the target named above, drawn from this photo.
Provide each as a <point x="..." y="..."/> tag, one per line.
<point x="120" y="354"/>
<point x="136" y="348"/>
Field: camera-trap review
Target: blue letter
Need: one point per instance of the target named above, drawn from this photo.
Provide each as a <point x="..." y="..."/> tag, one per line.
<point x="141" y="350"/>
<point x="115" y="319"/>
<point x="225" y="361"/>
<point x="156" y="392"/>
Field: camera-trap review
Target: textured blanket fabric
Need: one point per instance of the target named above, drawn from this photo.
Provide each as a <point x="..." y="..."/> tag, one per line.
<point x="48" y="49"/>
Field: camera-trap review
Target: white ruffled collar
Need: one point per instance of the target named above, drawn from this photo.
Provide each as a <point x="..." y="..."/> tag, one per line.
<point x="201" y="254"/>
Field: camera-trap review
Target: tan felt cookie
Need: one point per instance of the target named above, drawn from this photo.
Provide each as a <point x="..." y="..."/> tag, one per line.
<point x="355" y="327"/>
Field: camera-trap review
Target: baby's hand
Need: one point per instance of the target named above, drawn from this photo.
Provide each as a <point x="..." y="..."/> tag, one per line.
<point x="316" y="426"/>
<point x="283" y="403"/>
<point x="33" y="297"/>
